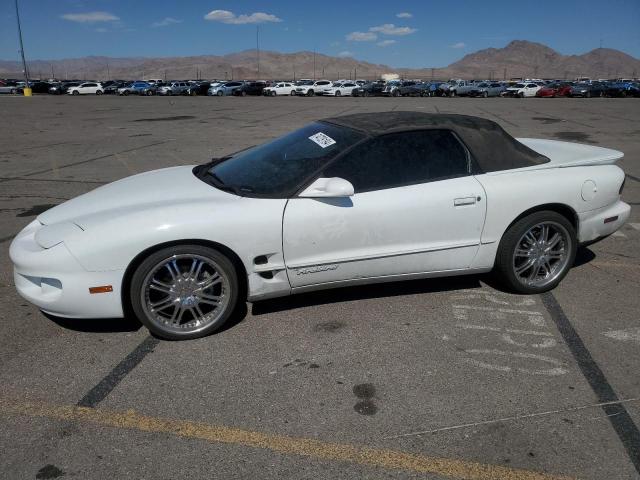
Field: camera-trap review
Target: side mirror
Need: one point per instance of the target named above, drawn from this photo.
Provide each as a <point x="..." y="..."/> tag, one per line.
<point x="328" y="188"/>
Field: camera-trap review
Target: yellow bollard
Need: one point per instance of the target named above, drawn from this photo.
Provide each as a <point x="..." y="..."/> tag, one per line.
<point x="26" y="91"/>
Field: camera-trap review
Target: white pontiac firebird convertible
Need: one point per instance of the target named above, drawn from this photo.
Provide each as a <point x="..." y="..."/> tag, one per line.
<point x="360" y="198"/>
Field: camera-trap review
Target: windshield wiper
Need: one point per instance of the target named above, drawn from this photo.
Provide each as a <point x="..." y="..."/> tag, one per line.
<point x="220" y="185"/>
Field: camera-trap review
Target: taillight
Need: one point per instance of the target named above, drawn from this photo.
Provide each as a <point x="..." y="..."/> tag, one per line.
<point x="622" y="186"/>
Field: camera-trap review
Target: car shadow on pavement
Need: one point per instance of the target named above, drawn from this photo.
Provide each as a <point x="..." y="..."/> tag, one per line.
<point x="583" y="256"/>
<point x="96" y="325"/>
<point x="363" y="292"/>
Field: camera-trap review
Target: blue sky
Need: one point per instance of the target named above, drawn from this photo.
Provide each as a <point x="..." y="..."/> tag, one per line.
<point x="423" y="33"/>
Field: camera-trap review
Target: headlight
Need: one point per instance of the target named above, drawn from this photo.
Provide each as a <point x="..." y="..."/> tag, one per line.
<point x="51" y="235"/>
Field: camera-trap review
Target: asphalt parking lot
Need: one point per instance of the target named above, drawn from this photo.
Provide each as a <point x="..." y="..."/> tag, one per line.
<point x="442" y="378"/>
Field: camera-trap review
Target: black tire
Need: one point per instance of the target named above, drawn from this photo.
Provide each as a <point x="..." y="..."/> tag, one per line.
<point x="98" y="92"/>
<point x="13" y="91"/>
<point x="452" y="93"/>
<point x="243" y="93"/>
<point x="338" y="94"/>
<point x="504" y="264"/>
<point x="485" y="94"/>
<point x="76" y="92"/>
<point x="588" y="94"/>
<point x="220" y="93"/>
<point x="137" y="291"/>
<point x="125" y="93"/>
<point x="365" y="94"/>
<point x="310" y="93"/>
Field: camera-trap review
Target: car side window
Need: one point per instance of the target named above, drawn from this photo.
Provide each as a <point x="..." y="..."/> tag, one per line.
<point x="400" y="159"/>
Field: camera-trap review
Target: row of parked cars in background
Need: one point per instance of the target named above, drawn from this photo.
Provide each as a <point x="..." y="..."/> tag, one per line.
<point x="356" y="88"/>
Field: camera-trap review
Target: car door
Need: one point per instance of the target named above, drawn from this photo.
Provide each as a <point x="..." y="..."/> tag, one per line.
<point x="416" y="210"/>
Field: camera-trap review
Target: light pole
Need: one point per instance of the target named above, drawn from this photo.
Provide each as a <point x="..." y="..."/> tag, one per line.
<point x="258" y="49"/>
<point x="27" y="89"/>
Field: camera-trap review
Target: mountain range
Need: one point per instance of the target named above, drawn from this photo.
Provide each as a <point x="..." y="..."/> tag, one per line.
<point x="519" y="58"/>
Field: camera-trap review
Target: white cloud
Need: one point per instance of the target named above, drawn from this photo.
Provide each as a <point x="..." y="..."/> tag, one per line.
<point x="345" y="53"/>
<point x="391" y="29"/>
<point x="385" y="43"/>
<point x="362" y="36"/>
<point x="90" y="17"/>
<point x="404" y="15"/>
<point x="166" y="22"/>
<point x="458" y="45"/>
<point x="225" y="16"/>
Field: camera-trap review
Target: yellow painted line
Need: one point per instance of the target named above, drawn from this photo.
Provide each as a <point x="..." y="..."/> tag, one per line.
<point x="370" y="457"/>
<point x="125" y="163"/>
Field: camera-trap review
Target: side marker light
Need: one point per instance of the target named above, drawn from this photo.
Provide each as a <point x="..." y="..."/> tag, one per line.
<point x="102" y="289"/>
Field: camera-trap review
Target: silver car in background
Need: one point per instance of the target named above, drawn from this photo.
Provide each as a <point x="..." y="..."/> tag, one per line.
<point x="225" y="89"/>
<point x="174" y="88"/>
<point x="487" y="89"/>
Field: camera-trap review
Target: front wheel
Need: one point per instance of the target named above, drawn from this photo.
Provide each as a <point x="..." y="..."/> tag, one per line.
<point x="220" y="93"/>
<point x="338" y="93"/>
<point x="536" y="252"/>
<point x="184" y="292"/>
<point x="125" y="93"/>
<point x="99" y="92"/>
<point x="76" y="92"/>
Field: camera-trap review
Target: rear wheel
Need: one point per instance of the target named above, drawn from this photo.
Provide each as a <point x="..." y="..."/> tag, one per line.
<point x="536" y="252"/>
<point x="220" y="93"/>
<point x="184" y="291"/>
<point x="125" y="93"/>
<point x="292" y="93"/>
<point x="338" y="93"/>
<point x="98" y="92"/>
<point x="310" y="93"/>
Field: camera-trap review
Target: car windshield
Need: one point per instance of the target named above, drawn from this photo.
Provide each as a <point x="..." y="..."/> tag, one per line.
<point x="519" y="85"/>
<point x="301" y="83"/>
<point x="279" y="167"/>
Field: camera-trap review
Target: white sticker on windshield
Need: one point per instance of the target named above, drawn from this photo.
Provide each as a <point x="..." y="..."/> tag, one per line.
<point x="323" y="140"/>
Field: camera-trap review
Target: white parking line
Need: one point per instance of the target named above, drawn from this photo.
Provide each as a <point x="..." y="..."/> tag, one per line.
<point x="635" y="225"/>
<point x="618" y="234"/>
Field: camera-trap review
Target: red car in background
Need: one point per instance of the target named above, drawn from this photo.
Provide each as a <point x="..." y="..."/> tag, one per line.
<point x="555" y="90"/>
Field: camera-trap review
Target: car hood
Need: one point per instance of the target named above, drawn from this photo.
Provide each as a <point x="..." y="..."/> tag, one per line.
<point x="157" y="189"/>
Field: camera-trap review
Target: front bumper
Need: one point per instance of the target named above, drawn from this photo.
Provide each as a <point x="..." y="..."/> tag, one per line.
<point x="593" y="226"/>
<point x="53" y="280"/>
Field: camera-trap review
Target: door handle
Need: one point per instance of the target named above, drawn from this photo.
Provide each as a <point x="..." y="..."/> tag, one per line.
<point x="458" y="202"/>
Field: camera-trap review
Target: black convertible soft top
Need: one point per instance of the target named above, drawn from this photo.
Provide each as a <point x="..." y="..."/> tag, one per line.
<point x="490" y="146"/>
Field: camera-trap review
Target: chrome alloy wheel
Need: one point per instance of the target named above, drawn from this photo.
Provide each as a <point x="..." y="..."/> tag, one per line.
<point x="185" y="293"/>
<point x="541" y="255"/>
